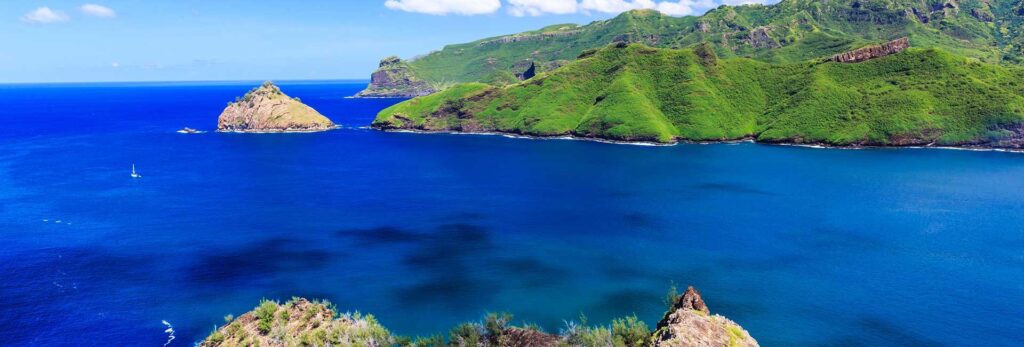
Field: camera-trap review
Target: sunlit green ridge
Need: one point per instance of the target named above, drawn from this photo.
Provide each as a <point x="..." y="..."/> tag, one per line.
<point x="788" y="32"/>
<point x="638" y="93"/>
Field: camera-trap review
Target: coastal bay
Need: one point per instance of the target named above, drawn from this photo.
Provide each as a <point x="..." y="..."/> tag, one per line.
<point x="800" y="246"/>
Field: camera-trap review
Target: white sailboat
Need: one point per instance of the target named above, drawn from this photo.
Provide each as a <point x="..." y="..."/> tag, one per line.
<point x="135" y="174"/>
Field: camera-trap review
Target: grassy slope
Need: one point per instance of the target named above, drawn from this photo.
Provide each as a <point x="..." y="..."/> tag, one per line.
<point x="798" y="29"/>
<point x="641" y="93"/>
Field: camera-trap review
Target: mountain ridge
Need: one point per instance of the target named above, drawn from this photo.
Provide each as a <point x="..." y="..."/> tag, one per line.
<point x="787" y="32"/>
<point x="632" y="92"/>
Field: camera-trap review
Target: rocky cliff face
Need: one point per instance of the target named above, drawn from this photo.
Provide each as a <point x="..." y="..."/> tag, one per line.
<point x="872" y="52"/>
<point x="394" y="79"/>
<point x="302" y="323"/>
<point x="690" y="323"/>
<point x="525" y="70"/>
<point x="267" y="109"/>
<point x="760" y="38"/>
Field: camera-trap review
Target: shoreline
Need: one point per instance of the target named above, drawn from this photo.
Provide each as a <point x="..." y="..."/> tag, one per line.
<point x="380" y="97"/>
<point x="527" y="137"/>
<point x="286" y="131"/>
<point x="747" y="139"/>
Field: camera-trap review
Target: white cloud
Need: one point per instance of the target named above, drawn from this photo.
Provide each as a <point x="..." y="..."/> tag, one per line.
<point x="538" y="7"/>
<point x="615" y="6"/>
<point x="521" y="8"/>
<point x="681" y="8"/>
<point x="44" y="15"/>
<point x="97" y="11"/>
<point x="672" y="8"/>
<point x="444" y="7"/>
<point x="746" y="2"/>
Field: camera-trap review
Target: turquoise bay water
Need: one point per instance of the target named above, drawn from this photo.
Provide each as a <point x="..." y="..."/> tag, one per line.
<point x="800" y="246"/>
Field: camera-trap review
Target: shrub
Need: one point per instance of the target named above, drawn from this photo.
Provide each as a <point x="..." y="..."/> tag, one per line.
<point x="591" y="337"/>
<point x="215" y="338"/>
<point x="430" y="341"/>
<point x="265" y="315"/>
<point x="630" y="332"/>
<point x="465" y="334"/>
<point x="670" y="297"/>
<point x="495" y="324"/>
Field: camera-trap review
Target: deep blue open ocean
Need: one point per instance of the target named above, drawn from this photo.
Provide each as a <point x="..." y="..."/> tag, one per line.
<point x="800" y="246"/>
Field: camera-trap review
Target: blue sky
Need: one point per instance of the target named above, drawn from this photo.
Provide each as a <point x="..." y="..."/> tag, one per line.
<point x="191" y="40"/>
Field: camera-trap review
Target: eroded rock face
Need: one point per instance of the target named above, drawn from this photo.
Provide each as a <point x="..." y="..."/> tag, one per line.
<point x="1012" y="137"/>
<point x="690" y="323"/>
<point x="267" y="109"/>
<point x="519" y="337"/>
<point x="759" y="38"/>
<point x="983" y="14"/>
<point x="872" y="52"/>
<point x="394" y="79"/>
<point x="525" y="70"/>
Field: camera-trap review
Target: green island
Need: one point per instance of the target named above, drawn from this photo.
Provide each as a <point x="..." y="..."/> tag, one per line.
<point x="300" y="322"/>
<point x="837" y="73"/>
<point x="265" y="109"/>
<point x="638" y="93"/>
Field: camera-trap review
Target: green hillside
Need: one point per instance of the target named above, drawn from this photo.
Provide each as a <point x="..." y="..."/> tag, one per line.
<point x="638" y="93"/>
<point x="788" y="32"/>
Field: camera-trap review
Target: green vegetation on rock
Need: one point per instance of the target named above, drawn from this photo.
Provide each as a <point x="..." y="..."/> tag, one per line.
<point x="638" y="93"/>
<point x="299" y="322"/>
<point x="790" y="31"/>
<point x="267" y="109"/>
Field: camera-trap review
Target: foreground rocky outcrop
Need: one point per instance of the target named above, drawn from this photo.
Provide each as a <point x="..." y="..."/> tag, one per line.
<point x="300" y="322"/>
<point x="267" y="109"/>
<point x="394" y="79"/>
<point x="690" y="323"/>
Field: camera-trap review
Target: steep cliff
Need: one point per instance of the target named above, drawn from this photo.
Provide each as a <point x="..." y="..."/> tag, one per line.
<point x="299" y="322"/>
<point x="267" y="109"/>
<point x="394" y="79"/>
<point x="631" y="92"/>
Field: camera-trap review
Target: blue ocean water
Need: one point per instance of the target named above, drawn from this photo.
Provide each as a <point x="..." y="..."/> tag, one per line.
<point x="800" y="246"/>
